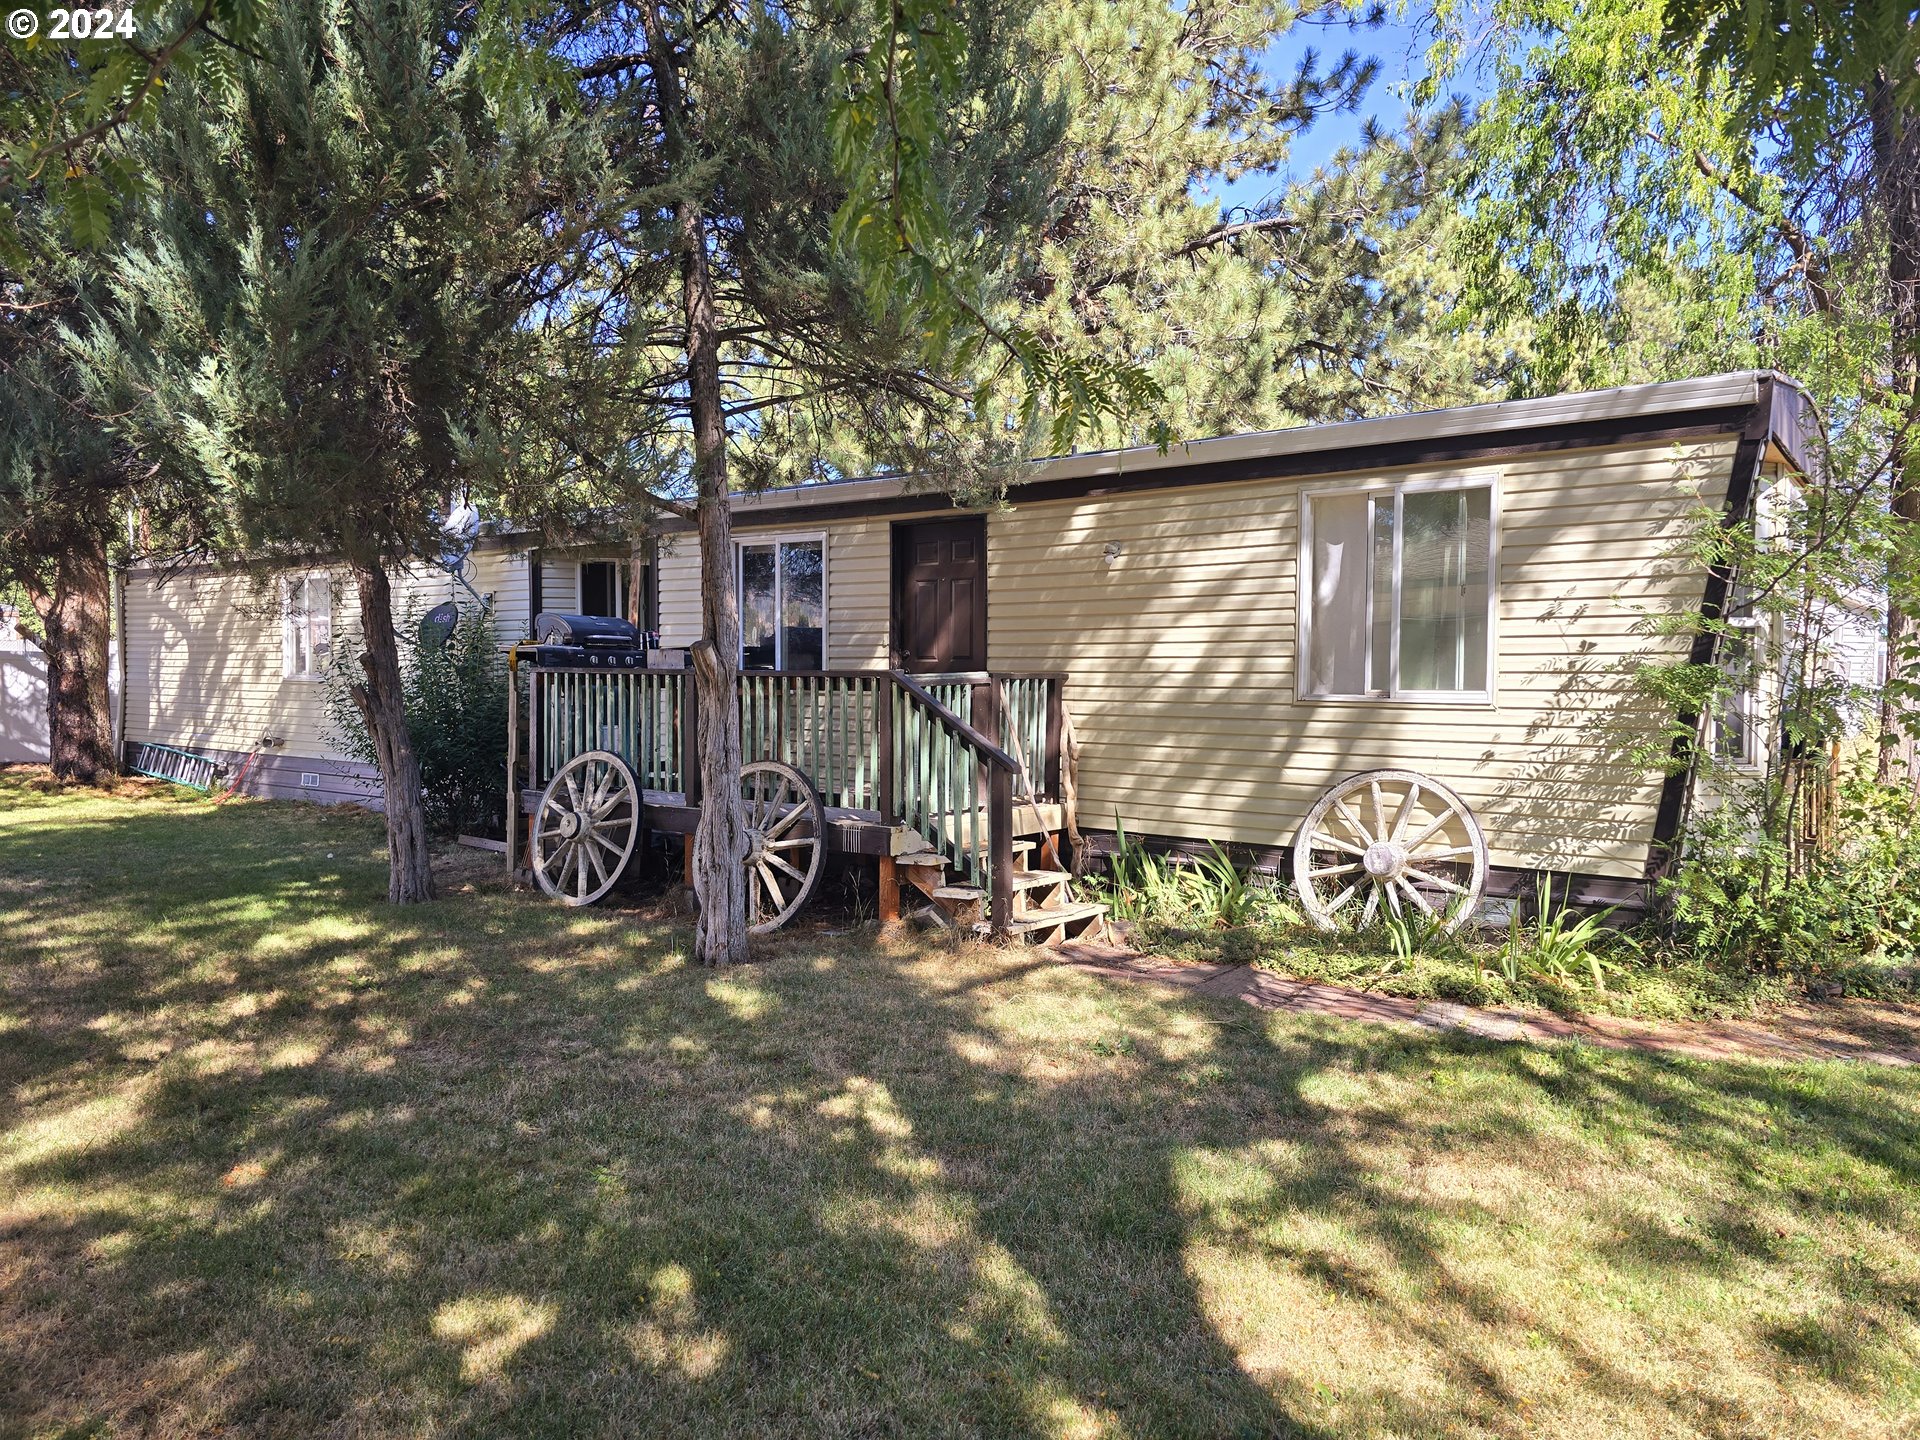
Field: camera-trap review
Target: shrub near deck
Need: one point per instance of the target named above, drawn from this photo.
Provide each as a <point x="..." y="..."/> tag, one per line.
<point x="278" y="1159"/>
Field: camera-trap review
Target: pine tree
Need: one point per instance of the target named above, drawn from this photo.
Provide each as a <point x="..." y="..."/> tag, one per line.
<point x="727" y="317"/>
<point x="1320" y="302"/>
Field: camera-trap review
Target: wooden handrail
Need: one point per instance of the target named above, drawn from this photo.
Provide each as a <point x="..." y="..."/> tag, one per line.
<point x="977" y="676"/>
<point x="988" y="750"/>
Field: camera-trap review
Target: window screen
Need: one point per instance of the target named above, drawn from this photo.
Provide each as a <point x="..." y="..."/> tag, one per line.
<point x="1443" y="589"/>
<point x="1338" y="663"/>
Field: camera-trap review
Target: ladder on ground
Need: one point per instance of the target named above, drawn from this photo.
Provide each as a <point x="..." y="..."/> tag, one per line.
<point x="181" y="767"/>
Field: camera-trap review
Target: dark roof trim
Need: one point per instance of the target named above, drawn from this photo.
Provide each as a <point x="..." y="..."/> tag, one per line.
<point x="1777" y="399"/>
<point x="1791" y="420"/>
<point x="1582" y="435"/>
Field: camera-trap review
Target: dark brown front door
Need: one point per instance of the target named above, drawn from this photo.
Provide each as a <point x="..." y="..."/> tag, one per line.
<point x="940" y="594"/>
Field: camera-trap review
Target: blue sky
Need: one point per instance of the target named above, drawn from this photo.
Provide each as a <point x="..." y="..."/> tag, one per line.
<point x="1401" y="51"/>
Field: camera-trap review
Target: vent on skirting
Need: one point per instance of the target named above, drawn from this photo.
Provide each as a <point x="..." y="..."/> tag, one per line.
<point x="309" y="780"/>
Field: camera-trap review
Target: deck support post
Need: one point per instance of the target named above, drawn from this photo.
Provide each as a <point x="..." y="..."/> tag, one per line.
<point x="686" y="860"/>
<point x="513" y="763"/>
<point x="1000" y="839"/>
<point x="889" y="891"/>
<point x="689" y="747"/>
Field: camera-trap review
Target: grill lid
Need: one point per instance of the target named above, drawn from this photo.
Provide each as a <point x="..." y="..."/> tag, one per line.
<point x="595" y="632"/>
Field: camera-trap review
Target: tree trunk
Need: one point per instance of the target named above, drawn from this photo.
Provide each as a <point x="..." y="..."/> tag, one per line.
<point x="720" y="841"/>
<point x="381" y="700"/>
<point x="76" y="619"/>
<point x="1896" y="164"/>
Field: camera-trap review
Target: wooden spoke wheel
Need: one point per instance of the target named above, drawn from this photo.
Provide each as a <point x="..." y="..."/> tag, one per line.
<point x="1389" y="842"/>
<point x="586" y="827"/>
<point x="786" y="842"/>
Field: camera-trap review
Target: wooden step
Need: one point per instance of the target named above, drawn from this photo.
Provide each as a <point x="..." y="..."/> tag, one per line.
<point x="959" y="894"/>
<point x="1033" y="879"/>
<point x="1042" y="924"/>
<point x="923" y="857"/>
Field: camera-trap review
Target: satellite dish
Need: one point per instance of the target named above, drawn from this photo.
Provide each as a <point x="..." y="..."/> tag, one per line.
<point x="438" y="624"/>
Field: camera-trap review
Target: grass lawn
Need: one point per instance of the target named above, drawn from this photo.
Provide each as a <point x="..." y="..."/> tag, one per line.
<point x="276" y="1158"/>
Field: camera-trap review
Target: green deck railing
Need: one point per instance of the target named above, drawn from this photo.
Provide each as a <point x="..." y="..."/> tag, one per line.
<point x="947" y="755"/>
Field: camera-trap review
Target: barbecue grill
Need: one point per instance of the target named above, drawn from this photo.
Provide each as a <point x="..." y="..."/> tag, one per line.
<point x="595" y="642"/>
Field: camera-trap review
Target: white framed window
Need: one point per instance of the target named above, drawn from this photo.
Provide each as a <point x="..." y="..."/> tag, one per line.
<point x="1397" y="592"/>
<point x="602" y="588"/>
<point x="1735" y="728"/>
<point x="781" y="581"/>
<point x="306" y="625"/>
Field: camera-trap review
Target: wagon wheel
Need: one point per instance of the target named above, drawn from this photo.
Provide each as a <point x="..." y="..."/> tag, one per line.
<point x="586" y="827"/>
<point x="1389" y="842"/>
<point x="786" y="842"/>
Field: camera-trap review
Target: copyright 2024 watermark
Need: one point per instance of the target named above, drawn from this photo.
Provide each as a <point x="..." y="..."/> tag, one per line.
<point x="105" y="22"/>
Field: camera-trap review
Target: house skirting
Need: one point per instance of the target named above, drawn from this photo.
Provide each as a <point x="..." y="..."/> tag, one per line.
<point x="1630" y="896"/>
<point x="277" y="776"/>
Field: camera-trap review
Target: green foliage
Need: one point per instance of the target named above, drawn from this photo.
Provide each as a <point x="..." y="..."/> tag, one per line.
<point x="898" y="225"/>
<point x="1737" y="902"/>
<point x="456" y="701"/>
<point x="1138" y="308"/>
<point x="333" y="276"/>
<point x="1211" y="891"/>
<point x="1560" y="945"/>
<point x="1818" y="58"/>
<point x="64" y="105"/>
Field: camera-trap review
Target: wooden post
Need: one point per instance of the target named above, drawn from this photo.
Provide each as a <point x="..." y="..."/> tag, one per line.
<point x="988" y="703"/>
<point x="1000" y="838"/>
<point x="986" y="708"/>
<point x="889" y="891"/>
<point x="513" y="764"/>
<point x="883" y="720"/>
<point x="1056" y="707"/>
<point x="689" y="742"/>
<point x="686" y="862"/>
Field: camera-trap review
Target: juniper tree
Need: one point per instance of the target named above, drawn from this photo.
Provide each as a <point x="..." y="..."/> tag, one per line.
<point x="340" y="263"/>
<point x="63" y="478"/>
<point x="71" y="477"/>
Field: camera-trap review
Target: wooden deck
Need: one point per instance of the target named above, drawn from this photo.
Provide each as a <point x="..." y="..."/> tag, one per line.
<point x="963" y="765"/>
<point x="849" y="832"/>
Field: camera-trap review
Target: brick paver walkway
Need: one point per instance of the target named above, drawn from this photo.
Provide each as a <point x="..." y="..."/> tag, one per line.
<point x="1847" y="1030"/>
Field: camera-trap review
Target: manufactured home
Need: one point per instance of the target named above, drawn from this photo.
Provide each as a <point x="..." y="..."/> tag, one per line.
<point x="1196" y="645"/>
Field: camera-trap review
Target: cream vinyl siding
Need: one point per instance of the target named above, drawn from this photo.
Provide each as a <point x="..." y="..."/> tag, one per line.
<point x="1180" y="651"/>
<point x="1181" y="655"/>
<point x="205" y="667"/>
<point x="859" y="577"/>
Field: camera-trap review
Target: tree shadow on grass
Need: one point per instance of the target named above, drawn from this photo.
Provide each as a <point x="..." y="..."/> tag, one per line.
<point x="278" y="1159"/>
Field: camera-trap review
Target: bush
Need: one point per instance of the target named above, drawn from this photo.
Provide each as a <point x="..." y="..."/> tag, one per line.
<point x="457" y="714"/>
<point x="1736" y="902"/>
